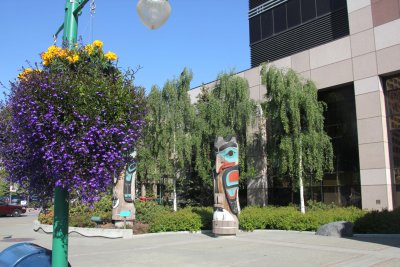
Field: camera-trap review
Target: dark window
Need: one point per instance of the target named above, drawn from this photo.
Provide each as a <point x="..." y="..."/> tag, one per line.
<point x="324" y="7"/>
<point x="293" y="13"/>
<point x="394" y="102"/>
<point x="308" y="11"/>
<point x="267" y="24"/>
<point x="341" y="125"/>
<point x="280" y="19"/>
<point x="392" y="86"/>
<point x="337" y="4"/>
<point x="255" y="29"/>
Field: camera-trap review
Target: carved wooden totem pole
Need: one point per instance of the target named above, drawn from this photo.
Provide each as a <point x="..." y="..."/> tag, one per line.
<point x="123" y="212"/>
<point x="226" y="187"/>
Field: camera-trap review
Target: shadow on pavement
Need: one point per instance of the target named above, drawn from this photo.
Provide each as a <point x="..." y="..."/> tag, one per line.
<point x="383" y="239"/>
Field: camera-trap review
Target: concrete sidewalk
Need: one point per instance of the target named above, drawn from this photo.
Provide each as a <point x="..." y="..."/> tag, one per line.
<point x="258" y="248"/>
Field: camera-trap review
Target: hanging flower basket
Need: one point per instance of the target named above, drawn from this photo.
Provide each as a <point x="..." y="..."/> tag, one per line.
<point x="71" y="122"/>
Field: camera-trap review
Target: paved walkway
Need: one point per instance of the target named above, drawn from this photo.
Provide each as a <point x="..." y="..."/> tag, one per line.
<point x="258" y="248"/>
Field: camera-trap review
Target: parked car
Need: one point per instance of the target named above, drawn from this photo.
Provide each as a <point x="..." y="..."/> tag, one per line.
<point x="11" y="209"/>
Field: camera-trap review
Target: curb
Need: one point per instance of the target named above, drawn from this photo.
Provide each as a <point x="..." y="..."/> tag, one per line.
<point x="86" y="232"/>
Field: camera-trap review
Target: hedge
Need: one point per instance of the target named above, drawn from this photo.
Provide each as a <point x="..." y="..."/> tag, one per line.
<point x="289" y="218"/>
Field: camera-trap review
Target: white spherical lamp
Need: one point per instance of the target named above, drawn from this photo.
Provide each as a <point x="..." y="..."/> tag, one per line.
<point x="153" y="13"/>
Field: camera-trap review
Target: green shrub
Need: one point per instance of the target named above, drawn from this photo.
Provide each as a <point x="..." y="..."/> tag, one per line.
<point x="46" y="216"/>
<point x="182" y="220"/>
<point x="315" y="205"/>
<point x="80" y="215"/>
<point x="206" y="215"/>
<point x="379" y="222"/>
<point x="289" y="218"/>
<point x="147" y="211"/>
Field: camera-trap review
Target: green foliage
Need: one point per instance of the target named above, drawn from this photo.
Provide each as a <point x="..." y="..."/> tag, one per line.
<point x="147" y="211"/>
<point x="225" y="110"/>
<point x="379" y="222"/>
<point x="289" y="218"/>
<point x="80" y="214"/>
<point x="315" y="205"/>
<point x="206" y="215"/>
<point x="297" y="143"/>
<point x="46" y="217"/>
<point x="179" y="137"/>
<point x="166" y="149"/>
<point x="182" y="220"/>
<point x="4" y="184"/>
<point x="163" y="219"/>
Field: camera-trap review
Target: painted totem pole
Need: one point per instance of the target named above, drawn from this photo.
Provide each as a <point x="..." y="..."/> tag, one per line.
<point x="226" y="187"/>
<point x="123" y="212"/>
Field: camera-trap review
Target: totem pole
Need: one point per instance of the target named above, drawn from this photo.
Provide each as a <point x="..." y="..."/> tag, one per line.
<point x="123" y="208"/>
<point x="226" y="187"/>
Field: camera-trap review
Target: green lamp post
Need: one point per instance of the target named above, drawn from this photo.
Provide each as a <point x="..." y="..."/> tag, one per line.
<point x="153" y="14"/>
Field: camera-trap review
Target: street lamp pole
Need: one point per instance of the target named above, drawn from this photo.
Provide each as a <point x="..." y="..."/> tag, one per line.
<point x="153" y="13"/>
<point x="61" y="195"/>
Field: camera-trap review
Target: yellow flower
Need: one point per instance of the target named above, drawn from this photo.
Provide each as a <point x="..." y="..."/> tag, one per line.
<point x="89" y="49"/>
<point x="53" y="49"/>
<point x="63" y="53"/>
<point x="98" y="43"/>
<point x="46" y="56"/>
<point x="73" y="58"/>
<point x="110" y="56"/>
<point x="23" y="74"/>
<point x="49" y="55"/>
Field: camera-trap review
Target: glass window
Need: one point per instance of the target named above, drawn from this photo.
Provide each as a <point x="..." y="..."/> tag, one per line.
<point x="338" y="4"/>
<point x="255" y="29"/>
<point x="392" y="86"/>
<point x="394" y="102"/>
<point x="324" y="7"/>
<point x="293" y="13"/>
<point x="308" y="11"/>
<point x="280" y="19"/>
<point x="267" y="24"/>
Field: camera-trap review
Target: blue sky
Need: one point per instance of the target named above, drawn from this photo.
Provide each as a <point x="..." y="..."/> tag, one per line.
<point x="207" y="36"/>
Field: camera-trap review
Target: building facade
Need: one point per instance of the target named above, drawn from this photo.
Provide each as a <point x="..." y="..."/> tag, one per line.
<point x="351" y="50"/>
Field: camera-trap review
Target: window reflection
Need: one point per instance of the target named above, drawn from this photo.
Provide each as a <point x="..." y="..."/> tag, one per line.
<point x="392" y="86"/>
<point x="288" y="15"/>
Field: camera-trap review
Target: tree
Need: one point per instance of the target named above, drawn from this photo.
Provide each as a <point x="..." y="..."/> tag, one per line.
<point x="167" y="148"/>
<point x="223" y="110"/>
<point x="150" y="159"/>
<point x="297" y="143"/>
<point x="70" y="123"/>
<point x="4" y="185"/>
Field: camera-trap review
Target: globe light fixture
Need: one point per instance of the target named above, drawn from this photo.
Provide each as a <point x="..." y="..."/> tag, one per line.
<point x="153" y="13"/>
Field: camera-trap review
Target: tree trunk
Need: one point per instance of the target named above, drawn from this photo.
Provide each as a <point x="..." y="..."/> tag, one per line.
<point x="175" y="204"/>
<point x="302" y="206"/>
<point x="143" y="190"/>
<point x="154" y="185"/>
<point x="174" y="195"/>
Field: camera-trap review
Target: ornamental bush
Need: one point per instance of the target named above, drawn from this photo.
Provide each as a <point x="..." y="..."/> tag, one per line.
<point x="182" y="220"/>
<point x="80" y="214"/>
<point x="379" y="222"/>
<point x="289" y="218"/>
<point x="70" y="123"/>
<point x="147" y="211"/>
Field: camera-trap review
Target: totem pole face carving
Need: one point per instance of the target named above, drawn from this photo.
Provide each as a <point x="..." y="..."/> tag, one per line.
<point x="129" y="174"/>
<point x="227" y="180"/>
<point x="124" y="192"/>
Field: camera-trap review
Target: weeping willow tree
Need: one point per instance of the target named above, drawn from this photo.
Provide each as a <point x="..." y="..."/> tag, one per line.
<point x="150" y="159"/>
<point x="167" y="147"/>
<point x="297" y="143"/>
<point x="223" y="110"/>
